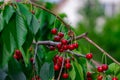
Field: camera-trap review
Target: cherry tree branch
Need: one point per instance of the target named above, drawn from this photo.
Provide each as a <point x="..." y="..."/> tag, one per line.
<point x="99" y="48"/>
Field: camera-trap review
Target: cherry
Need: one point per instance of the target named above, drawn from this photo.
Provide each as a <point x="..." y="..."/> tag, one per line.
<point x="99" y="69"/>
<point x="75" y="45"/>
<point x="54" y="31"/>
<point x="89" y="78"/>
<point x="61" y="35"/>
<point x="67" y="60"/>
<point x="64" y="41"/>
<point x="68" y="65"/>
<point x="65" y="47"/>
<point x="52" y="48"/>
<point x="59" y="46"/>
<point x="60" y="59"/>
<point x="61" y="50"/>
<point x="65" y="75"/>
<point x="105" y="67"/>
<point x="114" y="78"/>
<point x="89" y="56"/>
<point x="57" y="38"/>
<point x="71" y="47"/>
<point x="31" y="60"/>
<point x="100" y="77"/>
<point x="32" y="11"/>
<point x="56" y="67"/>
<point x="88" y="74"/>
<point x="15" y="56"/>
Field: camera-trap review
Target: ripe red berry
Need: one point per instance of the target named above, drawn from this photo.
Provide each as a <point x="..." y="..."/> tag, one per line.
<point x="100" y="77"/>
<point x="105" y="67"/>
<point x="15" y="56"/>
<point x="68" y="65"/>
<point x="59" y="46"/>
<point x="60" y="59"/>
<point x="61" y="50"/>
<point x="54" y="31"/>
<point x="56" y="67"/>
<point x="18" y="54"/>
<point x="99" y="69"/>
<point x="67" y="60"/>
<point x="65" y="75"/>
<point x="61" y="35"/>
<point x="71" y="47"/>
<point x="89" y="78"/>
<point x="114" y="78"/>
<point x="88" y="74"/>
<point x="32" y="11"/>
<point x="65" y="47"/>
<point x="31" y="60"/>
<point x="57" y="38"/>
<point x="89" y="56"/>
<point x="75" y="45"/>
<point x="64" y="41"/>
<point x="52" y="48"/>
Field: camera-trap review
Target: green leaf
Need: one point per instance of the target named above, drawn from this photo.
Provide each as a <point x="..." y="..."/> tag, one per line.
<point x="72" y="72"/>
<point x="15" y="71"/>
<point x="79" y="71"/>
<point x="25" y="12"/>
<point x="1" y="23"/>
<point x="21" y="30"/>
<point x="34" y="26"/>
<point x="47" y="71"/>
<point x="8" y="12"/>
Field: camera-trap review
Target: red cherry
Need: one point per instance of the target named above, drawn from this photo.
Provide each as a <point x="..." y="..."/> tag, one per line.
<point x="75" y="45"/>
<point x="54" y="31"/>
<point x="114" y="78"/>
<point x="67" y="60"/>
<point x="61" y="35"/>
<point x="18" y="54"/>
<point x="31" y="60"/>
<point x="71" y="47"/>
<point x="64" y="41"/>
<point x="68" y="65"/>
<point x="52" y="48"/>
<point x="59" y="46"/>
<point x="89" y="74"/>
<point x="99" y="69"/>
<point x="56" y="67"/>
<point x="89" y="56"/>
<point x="60" y="59"/>
<point x="100" y="77"/>
<point x="32" y="11"/>
<point x="61" y="50"/>
<point x="65" y="47"/>
<point x="15" y="56"/>
<point x="65" y="75"/>
<point x="105" y="67"/>
<point x="57" y="38"/>
<point x="89" y="78"/>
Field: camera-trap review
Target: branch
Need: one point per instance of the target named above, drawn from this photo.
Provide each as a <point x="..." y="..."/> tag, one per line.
<point x="76" y="54"/>
<point x="98" y="47"/>
<point x="51" y="12"/>
<point x="79" y="37"/>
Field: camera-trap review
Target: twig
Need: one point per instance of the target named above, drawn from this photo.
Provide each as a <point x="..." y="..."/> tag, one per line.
<point x="51" y="12"/>
<point x="79" y="37"/>
<point x="76" y="54"/>
<point x="98" y="47"/>
<point x="35" y="53"/>
<point x="61" y="69"/>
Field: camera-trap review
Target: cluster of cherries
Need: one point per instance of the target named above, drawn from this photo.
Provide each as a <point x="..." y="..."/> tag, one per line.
<point x="63" y="44"/>
<point x="58" y="60"/>
<point x="18" y="55"/>
<point x="36" y="78"/>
